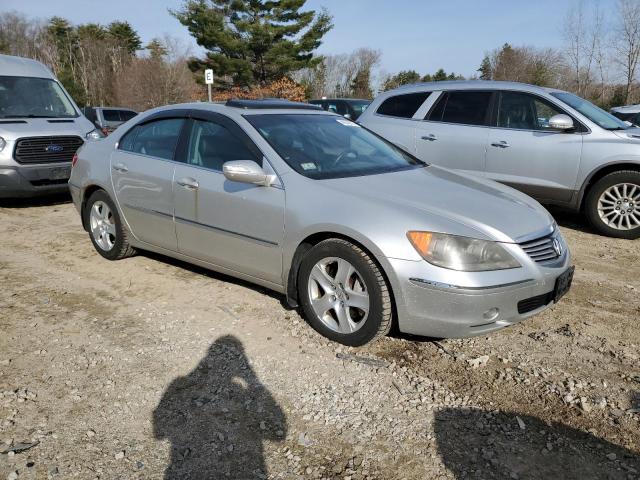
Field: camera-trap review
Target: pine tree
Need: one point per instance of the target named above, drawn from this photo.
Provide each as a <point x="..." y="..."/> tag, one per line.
<point x="254" y="41"/>
<point x="124" y="35"/>
<point x="485" y="69"/>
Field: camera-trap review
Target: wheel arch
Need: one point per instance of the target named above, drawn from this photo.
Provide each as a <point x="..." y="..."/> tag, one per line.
<point x="602" y="172"/>
<point x="313" y="239"/>
<point x="86" y="194"/>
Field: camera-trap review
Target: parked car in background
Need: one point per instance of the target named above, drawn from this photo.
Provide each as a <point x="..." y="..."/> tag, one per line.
<point x="550" y="144"/>
<point x="629" y="113"/>
<point x="107" y="119"/>
<point x="40" y="129"/>
<point x="307" y="203"/>
<point x="350" y="108"/>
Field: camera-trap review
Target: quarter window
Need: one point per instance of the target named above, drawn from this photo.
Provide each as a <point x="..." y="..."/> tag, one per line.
<point x="212" y="144"/>
<point x="463" y="107"/>
<point x="403" y="106"/>
<point x="157" y="138"/>
<point x="525" y="112"/>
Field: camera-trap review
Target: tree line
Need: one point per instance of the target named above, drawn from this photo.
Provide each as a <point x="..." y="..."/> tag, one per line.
<point x="269" y="48"/>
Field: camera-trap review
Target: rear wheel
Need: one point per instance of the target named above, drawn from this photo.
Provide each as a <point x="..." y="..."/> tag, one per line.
<point x="343" y="294"/>
<point x="107" y="233"/>
<point x="613" y="204"/>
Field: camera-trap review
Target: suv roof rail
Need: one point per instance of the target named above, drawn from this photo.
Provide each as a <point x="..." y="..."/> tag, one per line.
<point x="269" y="103"/>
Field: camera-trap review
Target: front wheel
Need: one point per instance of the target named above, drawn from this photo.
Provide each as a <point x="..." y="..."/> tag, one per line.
<point x="613" y="205"/>
<point x="343" y="293"/>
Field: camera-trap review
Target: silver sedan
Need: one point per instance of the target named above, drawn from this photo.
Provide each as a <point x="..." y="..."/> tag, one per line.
<point x="355" y="231"/>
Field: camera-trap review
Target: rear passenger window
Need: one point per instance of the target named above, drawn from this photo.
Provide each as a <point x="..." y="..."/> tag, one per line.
<point x="403" y="106"/>
<point x="111" y="115"/>
<point x="464" y="107"/>
<point x="126" y="115"/>
<point x="212" y="144"/>
<point x="157" y="138"/>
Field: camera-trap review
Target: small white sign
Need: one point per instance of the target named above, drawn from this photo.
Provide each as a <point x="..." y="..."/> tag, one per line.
<point x="208" y="76"/>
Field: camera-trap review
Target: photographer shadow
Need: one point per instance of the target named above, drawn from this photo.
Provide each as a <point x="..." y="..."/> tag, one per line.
<point x="217" y="418"/>
<point x="488" y="445"/>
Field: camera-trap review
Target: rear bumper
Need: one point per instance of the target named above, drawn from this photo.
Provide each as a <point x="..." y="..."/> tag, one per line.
<point x="447" y="311"/>
<point x="33" y="180"/>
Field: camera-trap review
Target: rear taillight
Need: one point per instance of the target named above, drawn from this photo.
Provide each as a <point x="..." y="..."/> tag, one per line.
<point x="74" y="160"/>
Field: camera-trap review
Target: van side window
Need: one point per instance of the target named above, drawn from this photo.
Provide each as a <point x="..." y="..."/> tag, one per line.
<point x="465" y="107"/>
<point x="403" y="106"/>
<point x="157" y="138"/>
<point x="525" y="112"/>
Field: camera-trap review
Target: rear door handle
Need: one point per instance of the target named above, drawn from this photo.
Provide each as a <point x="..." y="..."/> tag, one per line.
<point x="189" y="183"/>
<point x="501" y="144"/>
<point x="120" y="167"/>
<point x="431" y="137"/>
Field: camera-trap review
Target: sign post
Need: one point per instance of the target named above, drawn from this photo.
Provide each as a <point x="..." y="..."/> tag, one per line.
<point x="208" y="79"/>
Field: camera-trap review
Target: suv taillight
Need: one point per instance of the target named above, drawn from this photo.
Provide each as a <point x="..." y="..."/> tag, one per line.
<point x="74" y="160"/>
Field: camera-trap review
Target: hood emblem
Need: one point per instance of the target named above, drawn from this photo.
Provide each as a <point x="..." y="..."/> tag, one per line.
<point x="557" y="246"/>
<point x="54" y="148"/>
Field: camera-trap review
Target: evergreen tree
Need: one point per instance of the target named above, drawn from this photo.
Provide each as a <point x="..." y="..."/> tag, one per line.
<point x="361" y="85"/>
<point x="254" y="41"/>
<point x="485" y="69"/>
<point x="124" y="34"/>
<point x="156" y="49"/>
<point x="404" y="77"/>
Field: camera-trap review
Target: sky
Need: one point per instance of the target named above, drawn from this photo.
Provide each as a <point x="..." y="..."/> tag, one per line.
<point x="412" y="34"/>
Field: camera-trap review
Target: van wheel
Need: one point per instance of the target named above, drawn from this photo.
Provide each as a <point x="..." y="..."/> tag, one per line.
<point x="343" y="294"/>
<point x="106" y="231"/>
<point x="613" y="204"/>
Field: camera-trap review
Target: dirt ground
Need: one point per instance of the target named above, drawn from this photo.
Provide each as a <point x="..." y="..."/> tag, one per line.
<point x="151" y="368"/>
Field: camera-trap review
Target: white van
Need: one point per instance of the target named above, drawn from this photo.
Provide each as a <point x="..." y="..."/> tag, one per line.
<point x="40" y="129"/>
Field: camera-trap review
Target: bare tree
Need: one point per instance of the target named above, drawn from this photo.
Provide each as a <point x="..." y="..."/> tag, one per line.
<point x="628" y="42"/>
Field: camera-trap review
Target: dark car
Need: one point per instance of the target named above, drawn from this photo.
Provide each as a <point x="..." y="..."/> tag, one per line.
<point x="108" y="119"/>
<point x="348" y="107"/>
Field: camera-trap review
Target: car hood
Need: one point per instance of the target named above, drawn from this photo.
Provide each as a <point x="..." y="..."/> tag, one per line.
<point x="485" y="209"/>
<point x="14" y="128"/>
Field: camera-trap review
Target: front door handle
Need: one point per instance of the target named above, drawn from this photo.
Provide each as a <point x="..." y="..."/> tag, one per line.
<point x="189" y="183"/>
<point x="120" y="167"/>
<point x="501" y="144"/>
<point x="430" y="138"/>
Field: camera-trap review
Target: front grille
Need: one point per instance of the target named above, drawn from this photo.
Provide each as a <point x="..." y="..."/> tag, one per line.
<point x="46" y="149"/>
<point x="542" y="249"/>
<point x="533" y="303"/>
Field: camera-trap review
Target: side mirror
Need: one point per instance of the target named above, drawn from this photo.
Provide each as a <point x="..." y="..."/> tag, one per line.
<point x="247" y="171"/>
<point x="561" y="122"/>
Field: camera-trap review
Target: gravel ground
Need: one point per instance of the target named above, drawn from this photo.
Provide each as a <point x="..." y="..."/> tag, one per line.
<point x="151" y="368"/>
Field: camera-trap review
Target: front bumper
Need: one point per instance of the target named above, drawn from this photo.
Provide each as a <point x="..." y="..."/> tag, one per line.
<point x="443" y="310"/>
<point x="33" y="180"/>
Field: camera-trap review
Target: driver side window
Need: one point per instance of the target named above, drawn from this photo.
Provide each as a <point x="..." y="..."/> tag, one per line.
<point x="522" y="111"/>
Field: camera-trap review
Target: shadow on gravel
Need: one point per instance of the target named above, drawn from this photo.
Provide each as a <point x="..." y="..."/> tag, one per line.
<point x="571" y="219"/>
<point x="217" y="418"/>
<point x="39" y="201"/>
<point x="481" y="444"/>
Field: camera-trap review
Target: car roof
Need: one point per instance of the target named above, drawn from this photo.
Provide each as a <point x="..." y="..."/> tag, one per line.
<point x="333" y="99"/>
<point x="23" y="67"/>
<point x="269" y="104"/>
<point x="234" y="109"/>
<point x="627" y="109"/>
<point x="471" y="85"/>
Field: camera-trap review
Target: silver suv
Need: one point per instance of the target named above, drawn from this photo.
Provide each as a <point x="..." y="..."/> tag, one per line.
<point x="550" y="144"/>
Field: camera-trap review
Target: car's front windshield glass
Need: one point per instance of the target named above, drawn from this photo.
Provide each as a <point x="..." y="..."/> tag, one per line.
<point x="30" y="97"/>
<point x="359" y="107"/>
<point x="593" y="113"/>
<point x="328" y="146"/>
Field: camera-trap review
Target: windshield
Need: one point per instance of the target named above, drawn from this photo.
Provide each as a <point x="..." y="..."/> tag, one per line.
<point x="326" y="146"/>
<point x="359" y="107"/>
<point x="593" y="113"/>
<point x="31" y="97"/>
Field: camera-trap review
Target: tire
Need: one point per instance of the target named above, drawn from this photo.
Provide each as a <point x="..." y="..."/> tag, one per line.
<point x="110" y="238"/>
<point x="603" y="203"/>
<point x="358" y="303"/>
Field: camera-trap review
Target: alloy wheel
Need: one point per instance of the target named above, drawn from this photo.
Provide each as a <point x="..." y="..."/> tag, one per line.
<point x="619" y="206"/>
<point x="338" y="295"/>
<point x="102" y="223"/>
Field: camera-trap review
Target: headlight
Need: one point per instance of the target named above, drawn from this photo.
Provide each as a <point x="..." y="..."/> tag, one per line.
<point x="3" y="144"/>
<point x="94" y="134"/>
<point x="461" y="253"/>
